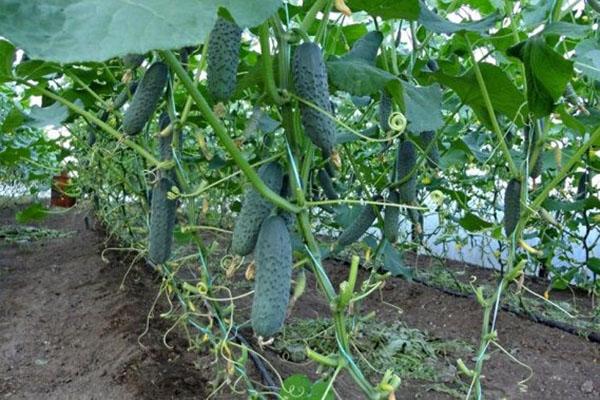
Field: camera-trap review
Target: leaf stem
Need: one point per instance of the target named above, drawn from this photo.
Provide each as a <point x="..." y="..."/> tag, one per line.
<point x="514" y="171"/>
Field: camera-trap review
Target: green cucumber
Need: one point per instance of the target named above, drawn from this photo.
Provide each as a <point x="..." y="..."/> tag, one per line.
<point x="359" y="226"/>
<point x="310" y="81"/>
<point x="145" y="99"/>
<point x="385" y="110"/>
<point x="327" y="185"/>
<point x="405" y="163"/>
<point x="512" y="206"/>
<point x="132" y="61"/>
<point x="223" y="58"/>
<point x="391" y="217"/>
<point x="255" y="209"/>
<point x="272" y="284"/>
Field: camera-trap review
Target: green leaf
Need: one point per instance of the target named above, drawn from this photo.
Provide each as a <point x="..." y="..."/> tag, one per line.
<point x="34" y="212"/>
<point x="7" y="53"/>
<point x="434" y="23"/>
<point x="387" y="9"/>
<point x="573" y="31"/>
<point x="13" y="120"/>
<point x="506" y="99"/>
<point x="423" y="107"/>
<point x="594" y="264"/>
<point x="547" y="74"/>
<point x="42" y="117"/>
<point x="357" y="77"/>
<point x="393" y="261"/>
<point x="587" y="58"/>
<point x="96" y="30"/>
<point x="299" y="387"/>
<point x="589" y="203"/>
<point x="473" y="223"/>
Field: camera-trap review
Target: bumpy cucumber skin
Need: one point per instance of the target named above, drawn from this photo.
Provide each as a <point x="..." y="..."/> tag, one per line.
<point x="366" y="47"/>
<point x="327" y="185"/>
<point x="310" y="81"/>
<point x="535" y="170"/>
<point x="163" y="210"/>
<point x="162" y="222"/>
<point x="273" y="277"/>
<point x="582" y="186"/>
<point x="286" y="192"/>
<point x="223" y="58"/>
<point x="390" y="218"/>
<point x="385" y="110"/>
<point x="132" y="61"/>
<point x="255" y="209"/>
<point x="125" y="95"/>
<point x="433" y="155"/>
<point x="359" y="226"/>
<point x="512" y="206"/>
<point x="145" y="99"/>
<point x="405" y="162"/>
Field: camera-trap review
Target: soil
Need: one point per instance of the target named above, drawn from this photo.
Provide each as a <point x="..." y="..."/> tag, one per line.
<point x="70" y="325"/>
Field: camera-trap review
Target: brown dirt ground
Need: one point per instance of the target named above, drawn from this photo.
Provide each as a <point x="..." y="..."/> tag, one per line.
<point x="69" y="331"/>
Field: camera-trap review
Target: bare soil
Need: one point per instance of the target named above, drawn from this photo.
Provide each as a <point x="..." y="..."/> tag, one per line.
<point x="69" y="330"/>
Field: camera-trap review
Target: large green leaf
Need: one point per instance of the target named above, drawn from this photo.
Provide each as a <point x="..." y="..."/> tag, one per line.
<point x="96" y="30"/>
<point x="357" y="77"/>
<point x="587" y="58"/>
<point x="7" y="52"/>
<point x="435" y="23"/>
<point x="506" y="99"/>
<point x="474" y="223"/>
<point x="423" y="107"/>
<point x="42" y="117"/>
<point x="574" y="31"/>
<point x="34" y="212"/>
<point x="547" y="74"/>
<point x="387" y="9"/>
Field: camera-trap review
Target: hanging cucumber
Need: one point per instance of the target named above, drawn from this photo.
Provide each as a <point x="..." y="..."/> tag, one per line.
<point x="405" y="163"/>
<point x="255" y="209"/>
<point x="223" y="58"/>
<point x="310" y="81"/>
<point x="273" y="277"/>
<point x="145" y="99"/>
<point x="512" y="206"/>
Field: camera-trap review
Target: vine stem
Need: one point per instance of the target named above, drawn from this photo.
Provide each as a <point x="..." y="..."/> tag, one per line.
<point x="97" y="121"/>
<point x="267" y="64"/>
<point x="223" y="136"/>
<point x="514" y="171"/>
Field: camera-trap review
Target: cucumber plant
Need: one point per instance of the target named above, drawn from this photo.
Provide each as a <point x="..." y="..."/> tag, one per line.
<point x="372" y="110"/>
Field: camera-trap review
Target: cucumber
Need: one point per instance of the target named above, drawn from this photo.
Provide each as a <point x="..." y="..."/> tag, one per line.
<point x="255" y="209"/>
<point x="132" y="61"/>
<point x="310" y="80"/>
<point x="145" y="99"/>
<point x="531" y="139"/>
<point x="405" y="163"/>
<point x="582" y="186"/>
<point x="385" y="110"/>
<point x="359" y="226"/>
<point x="327" y="185"/>
<point x="125" y="95"/>
<point x="223" y="58"/>
<point x="366" y="47"/>
<point x="162" y="221"/>
<point x="433" y="155"/>
<point x="512" y="206"/>
<point x="391" y="217"/>
<point x="273" y="277"/>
